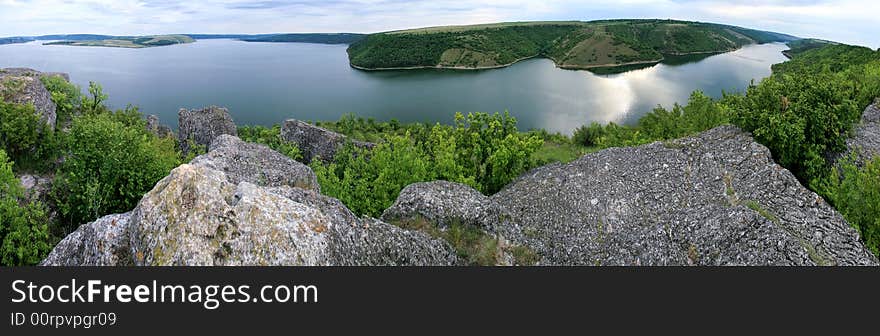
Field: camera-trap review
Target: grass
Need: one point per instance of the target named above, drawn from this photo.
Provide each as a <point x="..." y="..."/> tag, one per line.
<point x="563" y="152"/>
<point x="471" y="244"/>
<point x="130" y="42"/>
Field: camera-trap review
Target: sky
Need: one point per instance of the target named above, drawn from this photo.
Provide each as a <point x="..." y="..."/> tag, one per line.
<point x="847" y="21"/>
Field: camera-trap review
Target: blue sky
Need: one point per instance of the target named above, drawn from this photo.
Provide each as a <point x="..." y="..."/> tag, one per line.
<point x="849" y="21"/>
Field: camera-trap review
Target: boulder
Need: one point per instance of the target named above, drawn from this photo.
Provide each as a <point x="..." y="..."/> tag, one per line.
<point x="103" y="242"/>
<point x="209" y="213"/>
<point x="713" y="199"/>
<point x="865" y="142"/>
<point x="316" y="142"/>
<point x="443" y="203"/>
<point x="203" y="126"/>
<point x="23" y="86"/>
<point x="195" y="216"/>
<point x="160" y="130"/>
<point x="255" y="163"/>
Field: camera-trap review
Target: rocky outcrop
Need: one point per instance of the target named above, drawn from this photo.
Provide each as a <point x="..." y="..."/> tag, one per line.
<point x="255" y="163"/>
<point x="714" y="199"/>
<point x="160" y="130"/>
<point x="444" y="203"/>
<point x="23" y="86"/>
<point x="103" y="242"/>
<point x="865" y="142"/>
<point x="206" y="214"/>
<point x="316" y="142"/>
<point x="203" y="126"/>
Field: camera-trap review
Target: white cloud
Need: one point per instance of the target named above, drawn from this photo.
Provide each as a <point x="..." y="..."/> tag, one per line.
<point x="850" y="21"/>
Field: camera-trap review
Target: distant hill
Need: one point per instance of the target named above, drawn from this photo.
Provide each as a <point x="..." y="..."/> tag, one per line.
<point x="334" y="38"/>
<point x="128" y="42"/>
<point x="570" y="44"/>
<point x="803" y="45"/>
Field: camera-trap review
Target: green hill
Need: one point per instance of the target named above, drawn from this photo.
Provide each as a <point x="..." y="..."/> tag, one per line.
<point x="129" y="41"/>
<point x="571" y="44"/>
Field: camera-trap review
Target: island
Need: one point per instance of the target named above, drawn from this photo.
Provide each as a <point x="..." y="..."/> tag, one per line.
<point x="570" y="44"/>
<point x="128" y="41"/>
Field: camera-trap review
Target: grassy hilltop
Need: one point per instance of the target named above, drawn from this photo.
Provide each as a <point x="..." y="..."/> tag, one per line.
<point x="571" y="44"/>
<point x="129" y="41"/>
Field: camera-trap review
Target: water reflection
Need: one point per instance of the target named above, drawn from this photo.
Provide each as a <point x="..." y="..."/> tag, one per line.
<point x="265" y="83"/>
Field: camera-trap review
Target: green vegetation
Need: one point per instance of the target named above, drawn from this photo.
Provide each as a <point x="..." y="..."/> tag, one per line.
<point x="66" y="97"/>
<point x="472" y="244"/>
<point x="855" y="192"/>
<point x="103" y="161"/>
<point x="129" y="41"/>
<point x="270" y="137"/>
<point x="803" y="113"/>
<point x="798" y="47"/>
<point x="576" y="45"/>
<point x="111" y="161"/>
<point x="333" y="38"/>
<point x="24" y="233"/>
<point x="481" y="150"/>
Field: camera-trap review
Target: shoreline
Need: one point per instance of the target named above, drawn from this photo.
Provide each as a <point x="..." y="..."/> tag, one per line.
<point x="563" y="66"/>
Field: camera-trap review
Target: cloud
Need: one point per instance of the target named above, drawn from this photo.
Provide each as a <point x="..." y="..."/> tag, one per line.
<point x="850" y="21"/>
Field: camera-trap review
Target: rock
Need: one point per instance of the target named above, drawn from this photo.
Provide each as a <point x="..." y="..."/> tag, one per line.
<point x="444" y="203"/>
<point x="23" y="86"/>
<point x="203" y="126"/>
<point x="714" y="199"/>
<point x="103" y="242"/>
<point x="197" y="215"/>
<point x="255" y="163"/>
<point x="315" y="141"/>
<point x="160" y="130"/>
<point x="865" y="142"/>
<point x="36" y="187"/>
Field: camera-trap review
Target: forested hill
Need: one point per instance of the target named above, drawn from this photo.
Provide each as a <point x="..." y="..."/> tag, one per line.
<point x="334" y="38"/>
<point x="571" y="44"/>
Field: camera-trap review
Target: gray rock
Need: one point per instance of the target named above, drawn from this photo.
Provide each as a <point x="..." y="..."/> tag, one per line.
<point x="714" y="199"/>
<point x="203" y="126"/>
<point x="155" y="127"/>
<point x="315" y="141"/>
<point x="103" y="242"/>
<point x="196" y="216"/>
<point x="255" y="163"/>
<point x="865" y="142"/>
<point x="23" y="86"/>
<point x="444" y="203"/>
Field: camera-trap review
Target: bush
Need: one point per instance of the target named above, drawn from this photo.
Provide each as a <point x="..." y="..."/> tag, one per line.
<point x="24" y="232"/>
<point x="588" y="135"/>
<point x="111" y="162"/>
<point x="25" y="138"/>
<point x="270" y="137"/>
<point x="368" y="182"/>
<point x="855" y="192"/>
<point x="800" y="119"/>
<point x="67" y="98"/>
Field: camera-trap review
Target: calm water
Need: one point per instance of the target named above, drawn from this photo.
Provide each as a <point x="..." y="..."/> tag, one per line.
<point x="265" y="83"/>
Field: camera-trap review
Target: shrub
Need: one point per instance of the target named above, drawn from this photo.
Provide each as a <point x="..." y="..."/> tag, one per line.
<point x="270" y="137"/>
<point x="25" y="138"/>
<point x="111" y="162"/>
<point x="855" y="192"/>
<point x="369" y="181"/>
<point x="589" y="135"/>
<point x="66" y="96"/>
<point x="24" y="232"/>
